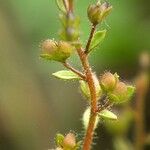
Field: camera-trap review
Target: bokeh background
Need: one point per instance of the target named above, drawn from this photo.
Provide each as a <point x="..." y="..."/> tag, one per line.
<point x="34" y="106"/>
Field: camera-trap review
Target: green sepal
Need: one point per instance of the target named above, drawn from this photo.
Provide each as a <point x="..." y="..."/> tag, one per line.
<point x="113" y="98"/>
<point x="56" y="56"/>
<point x="59" y="140"/>
<point x="46" y="56"/>
<point x="107" y="115"/>
<point x="78" y="145"/>
<point x="122" y="98"/>
<point x="66" y="75"/>
<point x="97" y="39"/>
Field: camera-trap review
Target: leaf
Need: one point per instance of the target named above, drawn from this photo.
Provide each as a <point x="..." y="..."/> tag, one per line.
<point x="60" y="5"/>
<point x="66" y="75"/>
<point x="85" y="89"/>
<point x="130" y="91"/>
<point x="108" y="115"/>
<point x="86" y="118"/>
<point x="59" y="139"/>
<point x="97" y="39"/>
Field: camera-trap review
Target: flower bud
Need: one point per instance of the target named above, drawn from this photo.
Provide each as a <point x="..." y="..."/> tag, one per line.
<point x="97" y="12"/>
<point x="69" y="141"/>
<point x="108" y="81"/>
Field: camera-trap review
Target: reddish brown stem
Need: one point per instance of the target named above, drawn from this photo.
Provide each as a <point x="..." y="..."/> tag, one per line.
<point x="90" y="38"/>
<point x="91" y="83"/>
<point x="90" y="80"/>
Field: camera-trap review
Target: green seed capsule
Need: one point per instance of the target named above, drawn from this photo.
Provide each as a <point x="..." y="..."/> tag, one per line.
<point x="98" y="12"/>
<point x="108" y="81"/>
<point x="57" y="51"/>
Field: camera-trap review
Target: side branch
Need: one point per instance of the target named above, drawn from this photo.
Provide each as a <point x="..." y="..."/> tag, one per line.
<point x="68" y="66"/>
<point x="90" y="38"/>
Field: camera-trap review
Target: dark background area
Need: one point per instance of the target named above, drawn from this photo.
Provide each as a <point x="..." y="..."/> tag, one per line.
<point x="34" y="106"/>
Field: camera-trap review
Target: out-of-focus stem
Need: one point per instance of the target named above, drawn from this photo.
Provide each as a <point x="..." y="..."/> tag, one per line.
<point x="142" y="84"/>
<point x="141" y="89"/>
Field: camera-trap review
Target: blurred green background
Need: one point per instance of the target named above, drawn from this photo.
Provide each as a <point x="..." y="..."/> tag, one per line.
<point x="34" y="106"/>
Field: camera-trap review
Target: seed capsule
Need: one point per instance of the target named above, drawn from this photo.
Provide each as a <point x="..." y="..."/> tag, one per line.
<point x="108" y="81"/>
<point x="48" y="47"/>
<point x="121" y="89"/>
<point x="69" y="141"/>
<point x="98" y="12"/>
<point x="58" y="51"/>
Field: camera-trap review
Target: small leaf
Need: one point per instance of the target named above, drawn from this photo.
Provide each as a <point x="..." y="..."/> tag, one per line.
<point x="85" y="89"/>
<point x="86" y="118"/>
<point x="108" y="115"/>
<point x="130" y="91"/>
<point x="60" y="5"/>
<point x="59" y="139"/>
<point x="97" y="39"/>
<point x="66" y="75"/>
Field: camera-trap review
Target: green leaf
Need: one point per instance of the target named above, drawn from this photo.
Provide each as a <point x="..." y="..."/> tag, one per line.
<point x="86" y="118"/>
<point x="97" y="39"/>
<point x="130" y="91"/>
<point x="66" y="75"/>
<point x="59" y="139"/>
<point x="85" y="89"/>
<point x="108" y="115"/>
<point x="60" y="5"/>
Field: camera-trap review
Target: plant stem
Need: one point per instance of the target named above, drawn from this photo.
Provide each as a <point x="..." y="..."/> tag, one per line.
<point x="141" y="89"/>
<point x="90" y="80"/>
<point x="90" y="38"/>
<point x="67" y="65"/>
<point x="70" y="5"/>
